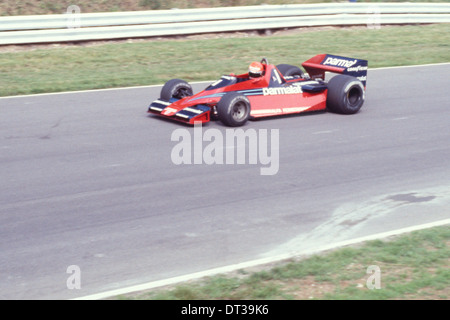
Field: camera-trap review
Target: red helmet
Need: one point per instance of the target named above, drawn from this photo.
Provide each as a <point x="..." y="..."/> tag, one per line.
<point x="255" y="70"/>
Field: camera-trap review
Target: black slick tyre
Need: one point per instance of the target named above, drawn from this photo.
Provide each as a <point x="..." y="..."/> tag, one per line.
<point x="177" y="89"/>
<point x="233" y="109"/>
<point x="345" y="94"/>
<point x="288" y="70"/>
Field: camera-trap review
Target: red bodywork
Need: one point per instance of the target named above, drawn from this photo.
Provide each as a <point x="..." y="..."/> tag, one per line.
<point x="270" y="95"/>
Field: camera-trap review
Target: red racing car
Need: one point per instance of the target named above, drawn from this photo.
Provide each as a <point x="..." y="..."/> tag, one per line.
<point x="268" y="90"/>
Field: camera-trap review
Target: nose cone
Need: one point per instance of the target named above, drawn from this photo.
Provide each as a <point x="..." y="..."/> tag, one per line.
<point x="169" y="111"/>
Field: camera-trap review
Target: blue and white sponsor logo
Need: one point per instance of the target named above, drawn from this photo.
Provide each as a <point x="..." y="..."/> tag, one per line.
<point x="340" y="62"/>
<point x="282" y="90"/>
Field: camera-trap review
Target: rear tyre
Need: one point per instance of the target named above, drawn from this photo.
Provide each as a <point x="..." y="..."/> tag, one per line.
<point x="233" y="109"/>
<point x="177" y="89"/>
<point x="288" y="70"/>
<point x="345" y="94"/>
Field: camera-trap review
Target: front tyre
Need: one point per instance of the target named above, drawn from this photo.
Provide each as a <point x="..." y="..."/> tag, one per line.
<point x="176" y="89"/>
<point x="345" y="94"/>
<point x="233" y="109"/>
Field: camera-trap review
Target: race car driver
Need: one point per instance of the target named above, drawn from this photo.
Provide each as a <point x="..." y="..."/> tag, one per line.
<point x="255" y="70"/>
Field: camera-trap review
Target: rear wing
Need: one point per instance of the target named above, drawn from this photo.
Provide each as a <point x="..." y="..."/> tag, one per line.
<point x="318" y="65"/>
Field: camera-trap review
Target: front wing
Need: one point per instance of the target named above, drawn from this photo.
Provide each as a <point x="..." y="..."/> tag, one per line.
<point x="197" y="113"/>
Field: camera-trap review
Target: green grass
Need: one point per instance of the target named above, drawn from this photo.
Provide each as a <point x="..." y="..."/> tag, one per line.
<point x="413" y="266"/>
<point x="80" y="67"/>
<point x="33" y="7"/>
<point x="14" y="7"/>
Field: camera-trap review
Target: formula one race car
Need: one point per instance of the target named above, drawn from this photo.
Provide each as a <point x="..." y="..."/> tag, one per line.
<point x="268" y="90"/>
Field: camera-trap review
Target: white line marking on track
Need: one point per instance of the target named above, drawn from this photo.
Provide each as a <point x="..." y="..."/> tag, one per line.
<point x="400" y="118"/>
<point x="324" y="132"/>
<point x="197" y="82"/>
<point x="253" y="263"/>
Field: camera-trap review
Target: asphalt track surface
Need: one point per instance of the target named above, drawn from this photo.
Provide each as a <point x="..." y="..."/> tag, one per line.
<point x="87" y="179"/>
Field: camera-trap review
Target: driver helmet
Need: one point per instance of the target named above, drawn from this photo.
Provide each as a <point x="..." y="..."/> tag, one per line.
<point x="255" y="70"/>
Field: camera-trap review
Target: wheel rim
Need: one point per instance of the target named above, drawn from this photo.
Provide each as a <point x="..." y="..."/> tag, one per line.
<point x="354" y="96"/>
<point x="239" y="111"/>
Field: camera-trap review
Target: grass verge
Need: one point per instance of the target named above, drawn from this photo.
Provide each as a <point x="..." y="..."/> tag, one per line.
<point x="144" y="62"/>
<point x="412" y="266"/>
<point x="32" y="7"/>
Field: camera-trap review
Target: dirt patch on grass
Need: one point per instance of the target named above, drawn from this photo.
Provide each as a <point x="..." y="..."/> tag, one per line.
<point x="308" y="288"/>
